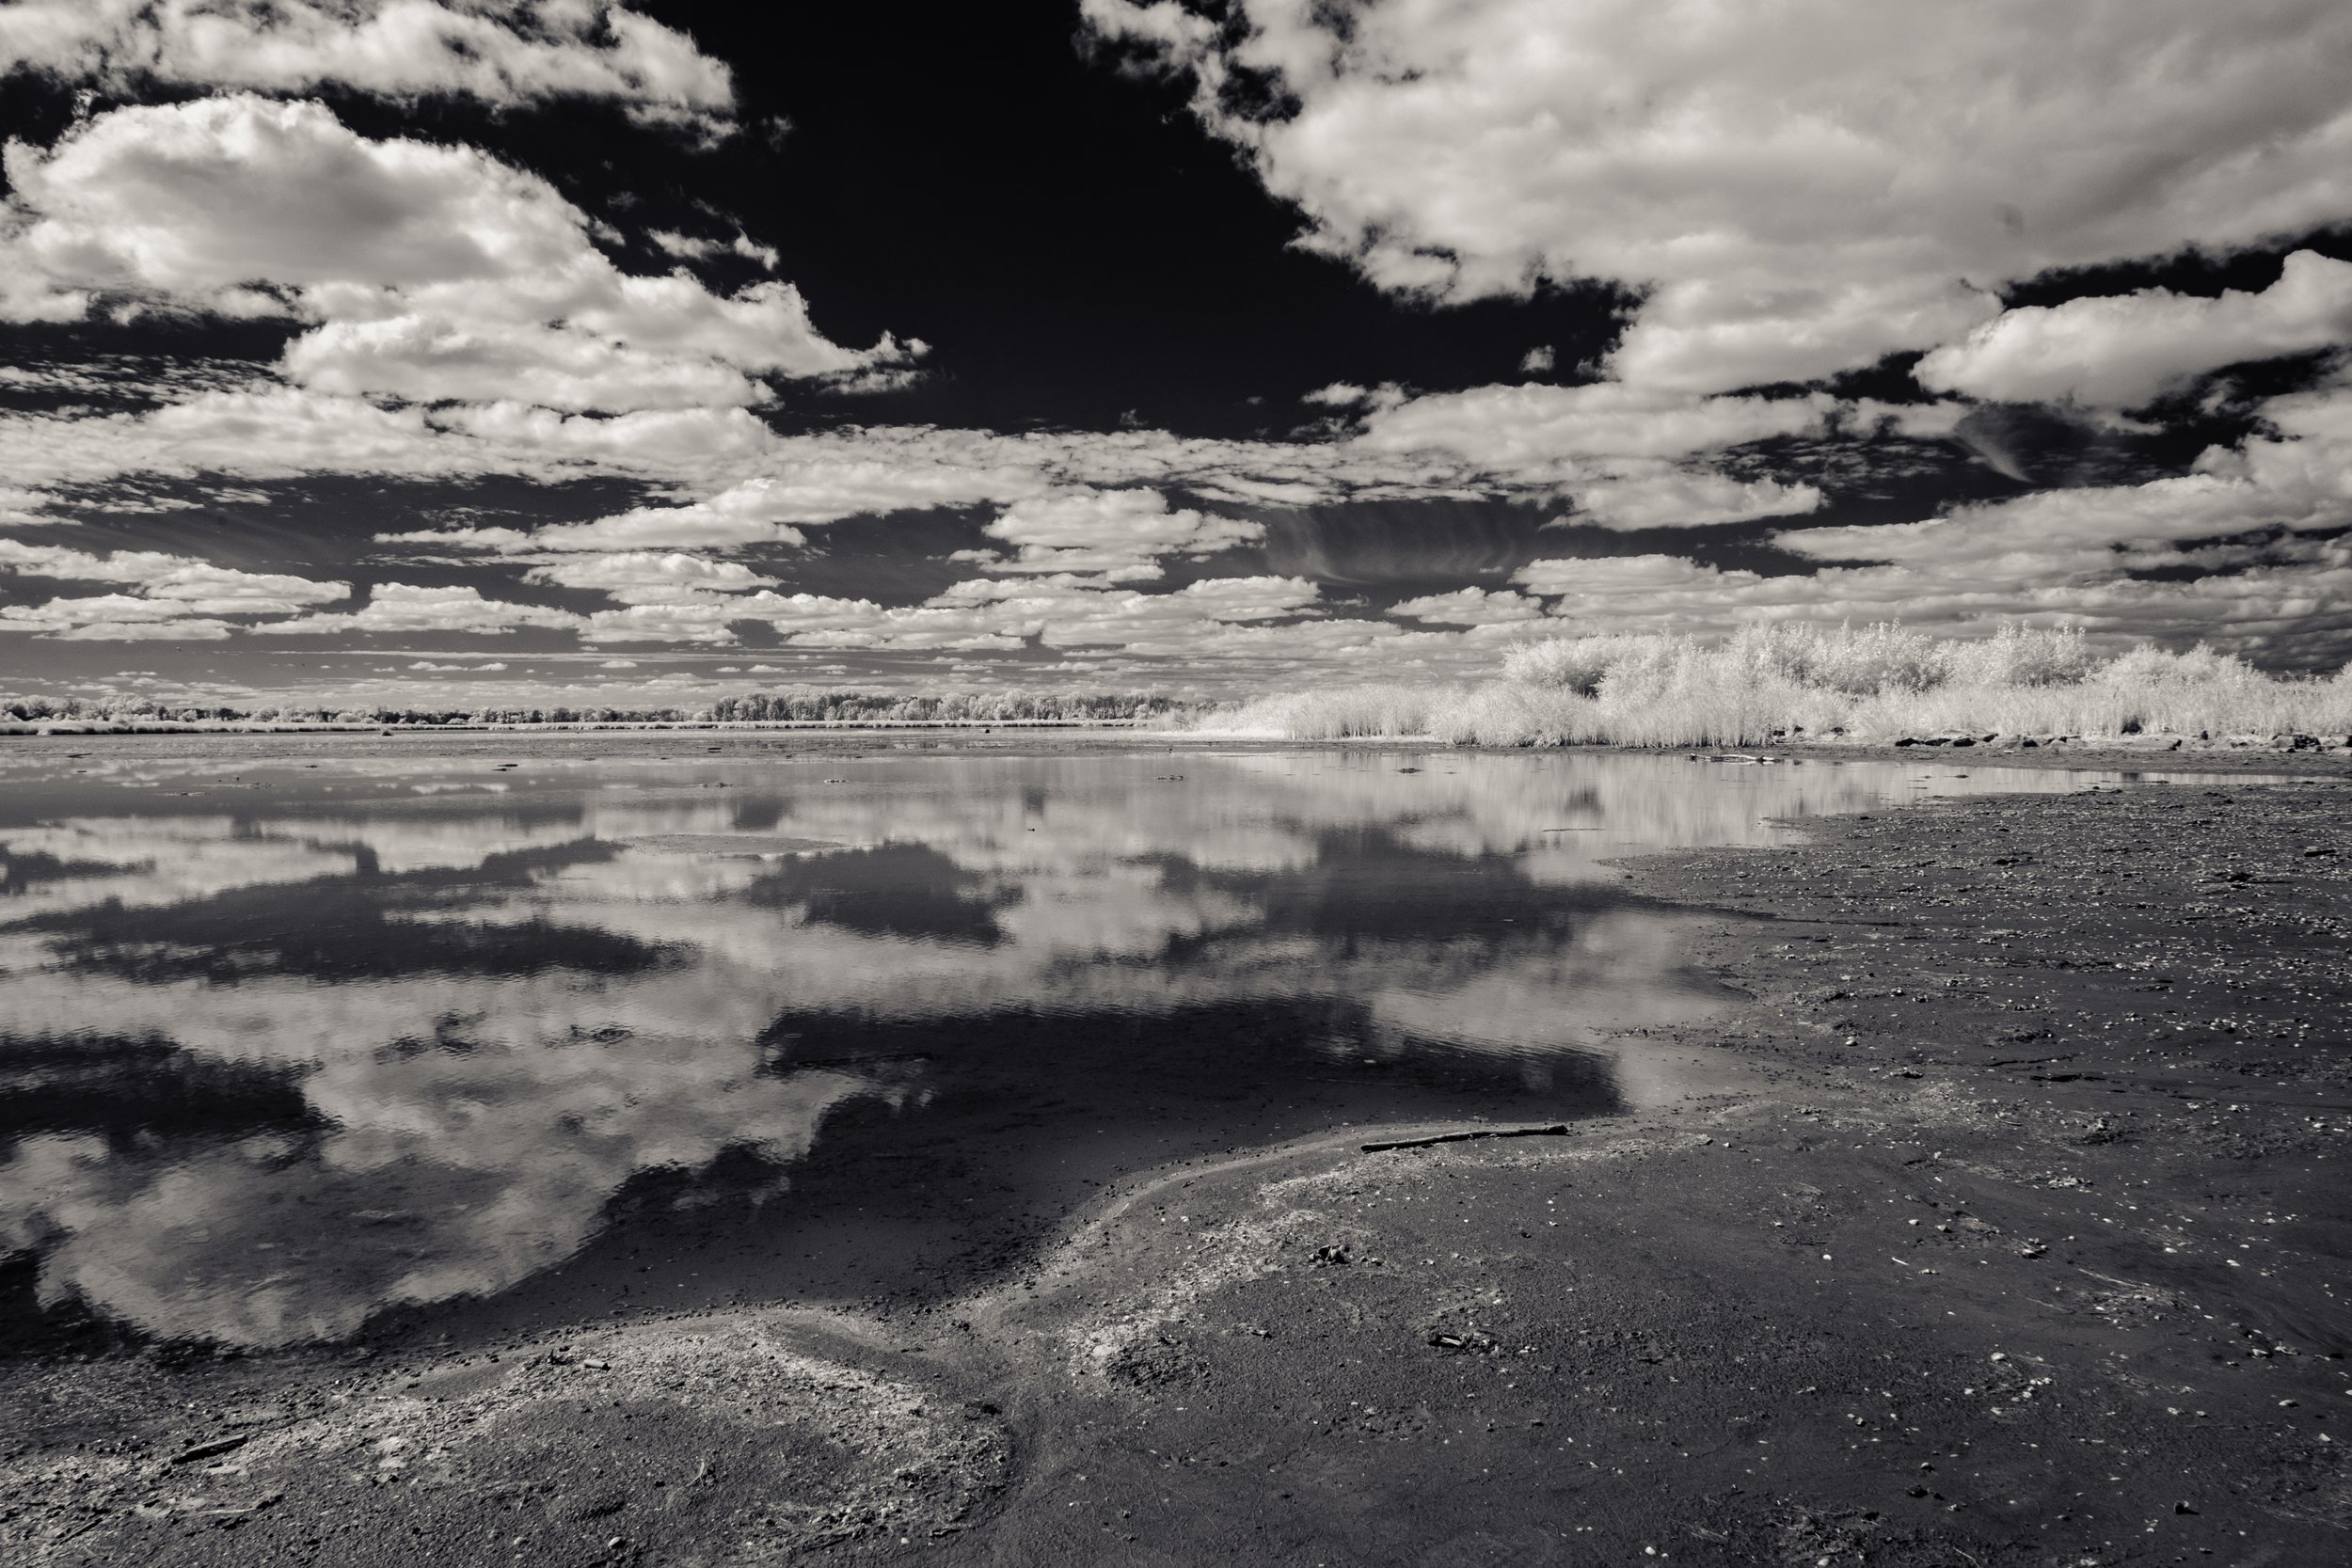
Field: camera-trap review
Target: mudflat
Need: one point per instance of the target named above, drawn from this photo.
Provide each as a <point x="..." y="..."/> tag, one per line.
<point x="2012" y="1231"/>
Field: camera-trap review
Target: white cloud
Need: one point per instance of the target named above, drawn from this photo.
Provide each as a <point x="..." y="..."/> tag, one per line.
<point x="1471" y="607"/>
<point x="685" y="247"/>
<point x="503" y="52"/>
<point x="1916" y="422"/>
<point x="2251" y="523"/>
<point x="1121" y="533"/>
<point x="694" y="247"/>
<point x="432" y="358"/>
<point x="273" y="431"/>
<point x="1070" y="612"/>
<point x="167" y="588"/>
<point x="24" y="506"/>
<point x="190" y="199"/>
<point x="265" y="433"/>
<point x="753" y="486"/>
<point x="1681" y="498"/>
<point x="1703" y="335"/>
<point x="814" y="621"/>
<point x="1543" y="437"/>
<point x="1801" y="186"/>
<point x="700" y="619"/>
<point x="57" y="561"/>
<point x="399" y="606"/>
<point x="2299" y="481"/>
<point x="430" y="273"/>
<point x="113" y="618"/>
<point x="202" y="589"/>
<point x="651" y="576"/>
<point x="820" y="481"/>
<point x="2121" y="351"/>
<point x="992" y="614"/>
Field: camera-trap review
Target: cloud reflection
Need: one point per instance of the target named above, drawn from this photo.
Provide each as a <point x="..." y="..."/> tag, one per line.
<point x="391" y="1035"/>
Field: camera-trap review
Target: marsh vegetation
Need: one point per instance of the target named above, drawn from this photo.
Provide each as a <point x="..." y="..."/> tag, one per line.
<point x="1880" y="683"/>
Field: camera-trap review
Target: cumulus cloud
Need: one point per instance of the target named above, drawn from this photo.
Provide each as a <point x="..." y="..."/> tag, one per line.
<point x="169" y="592"/>
<point x="651" y="576"/>
<point x="747" y="486"/>
<point x="275" y="431"/>
<point x="1471" y="607"/>
<point x="1339" y="395"/>
<point x="429" y="273"/>
<point x="1616" y="450"/>
<point x="1070" y="612"/>
<point x="1678" y="497"/>
<point x="1536" y="433"/>
<point x="399" y="606"/>
<point x="112" y="618"/>
<point x="2298" y="480"/>
<point x="1121" y="533"/>
<point x="821" y="481"/>
<point x="2242" y="551"/>
<point x="501" y="52"/>
<point x="2122" y="351"/>
<point x="1799" y="188"/>
<point x="1061" y="610"/>
<point x="694" y="619"/>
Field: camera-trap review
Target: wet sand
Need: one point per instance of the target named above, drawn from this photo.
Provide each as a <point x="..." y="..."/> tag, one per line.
<point x="2013" y="1231"/>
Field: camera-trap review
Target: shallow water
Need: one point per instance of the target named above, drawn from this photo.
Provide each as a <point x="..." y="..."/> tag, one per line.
<point x="289" y="1050"/>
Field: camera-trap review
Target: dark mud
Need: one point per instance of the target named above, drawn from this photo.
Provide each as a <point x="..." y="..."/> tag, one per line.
<point x="2018" y="1236"/>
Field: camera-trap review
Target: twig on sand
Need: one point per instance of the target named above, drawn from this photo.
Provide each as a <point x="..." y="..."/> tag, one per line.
<point x="1557" y="1129"/>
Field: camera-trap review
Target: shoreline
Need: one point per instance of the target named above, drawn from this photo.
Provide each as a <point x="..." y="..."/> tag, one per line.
<point x="2091" y="1043"/>
<point x="2160" y="753"/>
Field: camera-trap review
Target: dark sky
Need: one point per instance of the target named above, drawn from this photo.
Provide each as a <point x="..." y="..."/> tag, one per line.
<point x="1063" y="231"/>
<point x="1258" y="345"/>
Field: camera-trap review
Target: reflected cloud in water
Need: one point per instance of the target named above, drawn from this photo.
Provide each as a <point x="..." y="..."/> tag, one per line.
<point x="287" y="1046"/>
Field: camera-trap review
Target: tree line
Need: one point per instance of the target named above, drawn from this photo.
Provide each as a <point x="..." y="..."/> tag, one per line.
<point x="794" y="706"/>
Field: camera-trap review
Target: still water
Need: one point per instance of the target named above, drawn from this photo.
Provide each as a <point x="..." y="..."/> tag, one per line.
<point x="291" y="1048"/>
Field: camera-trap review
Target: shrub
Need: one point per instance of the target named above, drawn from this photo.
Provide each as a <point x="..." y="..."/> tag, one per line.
<point x="1572" y="663"/>
<point x="2023" y="656"/>
<point x="1780" y="681"/>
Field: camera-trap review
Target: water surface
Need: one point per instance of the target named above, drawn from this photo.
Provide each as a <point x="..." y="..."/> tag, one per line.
<point x="288" y="1048"/>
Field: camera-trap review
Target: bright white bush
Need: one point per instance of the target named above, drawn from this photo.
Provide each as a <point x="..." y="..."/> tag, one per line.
<point x="1795" y="681"/>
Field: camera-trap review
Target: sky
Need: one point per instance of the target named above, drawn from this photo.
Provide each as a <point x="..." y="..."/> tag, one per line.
<point x="472" y="352"/>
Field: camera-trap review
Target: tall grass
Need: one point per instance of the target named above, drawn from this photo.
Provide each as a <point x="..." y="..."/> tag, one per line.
<point x="1879" y="683"/>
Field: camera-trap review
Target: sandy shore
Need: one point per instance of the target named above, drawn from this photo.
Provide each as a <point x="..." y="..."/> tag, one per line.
<point x="2014" y="1232"/>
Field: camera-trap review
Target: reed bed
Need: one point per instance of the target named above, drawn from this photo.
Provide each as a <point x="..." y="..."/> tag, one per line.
<point x="1878" y="683"/>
